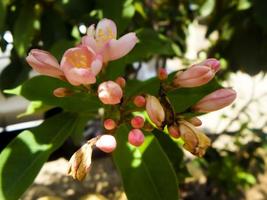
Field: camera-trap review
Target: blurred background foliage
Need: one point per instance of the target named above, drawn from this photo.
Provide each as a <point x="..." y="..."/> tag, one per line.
<point x="236" y="30"/>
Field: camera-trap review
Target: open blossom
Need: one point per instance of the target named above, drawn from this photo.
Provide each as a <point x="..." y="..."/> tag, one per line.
<point x="110" y="92"/>
<point x="81" y="65"/>
<point x="102" y="40"/>
<point x="216" y="100"/>
<point x="197" y="75"/>
<point x="44" y="63"/>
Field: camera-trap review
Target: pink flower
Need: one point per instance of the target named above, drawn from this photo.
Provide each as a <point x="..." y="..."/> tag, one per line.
<point x="197" y="75"/>
<point x="103" y="40"/>
<point x="44" y="63"/>
<point x="110" y="92"/>
<point x="81" y="65"/>
<point x="216" y="100"/>
<point x="106" y="143"/>
<point x="136" y="137"/>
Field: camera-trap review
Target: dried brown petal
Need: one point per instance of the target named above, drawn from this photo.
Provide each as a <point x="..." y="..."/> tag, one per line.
<point x="196" y="141"/>
<point x="80" y="162"/>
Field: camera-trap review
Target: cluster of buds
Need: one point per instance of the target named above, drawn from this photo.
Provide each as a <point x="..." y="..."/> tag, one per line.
<point x="197" y="75"/>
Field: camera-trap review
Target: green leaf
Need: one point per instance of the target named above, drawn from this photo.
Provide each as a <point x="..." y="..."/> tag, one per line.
<point x="150" y="86"/>
<point x="40" y="88"/>
<point x="183" y="98"/>
<point x="146" y="171"/>
<point x="3" y="7"/>
<point x="22" y="159"/>
<point x="174" y="153"/>
<point x="13" y="74"/>
<point x="24" y="28"/>
<point x="150" y="44"/>
<point x="121" y="11"/>
<point x="60" y="47"/>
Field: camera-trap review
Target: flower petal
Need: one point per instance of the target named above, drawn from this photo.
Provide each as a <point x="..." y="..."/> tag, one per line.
<point x="106" y="29"/>
<point x="78" y="76"/>
<point x="121" y="47"/>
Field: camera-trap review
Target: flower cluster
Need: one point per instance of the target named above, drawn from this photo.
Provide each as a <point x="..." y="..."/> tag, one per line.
<point x="82" y="64"/>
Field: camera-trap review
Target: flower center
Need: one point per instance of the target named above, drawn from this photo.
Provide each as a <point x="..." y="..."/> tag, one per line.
<point x="78" y="60"/>
<point x="104" y="36"/>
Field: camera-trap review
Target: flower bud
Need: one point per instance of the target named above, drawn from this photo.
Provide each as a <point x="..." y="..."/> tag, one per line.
<point x="162" y="74"/>
<point x="195" y="121"/>
<point x="121" y="81"/>
<point x="137" y="122"/>
<point x="109" y="124"/>
<point x="44" y="63"/>
<point x="193" y="77"/>
<point x="136" y="137"/>
<point x="213" y="63"/>
<point x="155" y="110"/>
<point x="174" y="131"/>
<point x="62" y="92"/>
<point x="106" y="143"/>
<point x="215" y="101"/>
<point x="139" y="101"/>
<point x="195" y="141"/>
<point x="110" y="92"/>
<point x="80" y="162"/>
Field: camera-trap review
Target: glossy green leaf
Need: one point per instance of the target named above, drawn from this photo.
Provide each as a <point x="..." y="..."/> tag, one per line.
<point x="3" y="9"/>
<point x="40" y="88"/>
<point x="14" y="73"/>
<point x="183" y="98"/>
<point x="150" y="44"/>
<point x="24" y="28"/>
<point x="146" y="171"/>
<point x="22" y="159"/>
<point x="121" y="11"/>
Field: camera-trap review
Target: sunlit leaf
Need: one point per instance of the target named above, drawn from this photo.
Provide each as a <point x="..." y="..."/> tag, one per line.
<point x="146" y="171"/>
<point x="22" y="159"/>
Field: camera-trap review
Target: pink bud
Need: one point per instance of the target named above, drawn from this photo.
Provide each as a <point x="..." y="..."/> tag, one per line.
<point x="174" y="131"/>
<point x="193" y="77"/>
<point x="106" y="143"/>
<point x="110" y="92"/>
<point x="139" y="101"/>
<point x="195" y="121"/>
<point x="44" y="63"/>
<point x="155" y="110"/>
<point x="212" y="63"/>
<point x="137" y="122"/>
<point x="110" y="124"/>
<point x="216" y="100"/>
<point x="62" y="92"/>
<point x="162" y="74"/>
<point x="136" y="137"/>
<point x="121" y="81"/>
